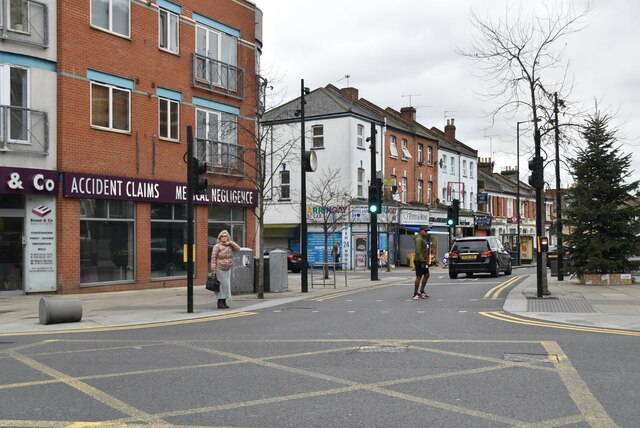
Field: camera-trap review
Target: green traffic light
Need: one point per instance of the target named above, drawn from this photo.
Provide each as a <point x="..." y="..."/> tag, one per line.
<point x="373" y="209"/>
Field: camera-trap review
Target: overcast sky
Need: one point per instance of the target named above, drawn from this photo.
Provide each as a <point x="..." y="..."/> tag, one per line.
<point x="391" y="50"/>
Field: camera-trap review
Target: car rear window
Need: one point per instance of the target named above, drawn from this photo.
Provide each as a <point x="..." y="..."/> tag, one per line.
<point x="470" y="246"/>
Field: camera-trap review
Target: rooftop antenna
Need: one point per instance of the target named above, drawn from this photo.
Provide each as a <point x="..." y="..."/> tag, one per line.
<point x="409" y="96"/>
<point x="346" y="76"/>
<point x="445" y="114"/>
<point x="490" y="137"/>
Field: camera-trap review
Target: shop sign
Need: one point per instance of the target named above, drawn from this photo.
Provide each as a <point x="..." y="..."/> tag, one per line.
<point x="25" y="181"/>
<point x="87" y="186"/>
<point x="414" y="217"/>
<point x="40" y="248"/>
<point x="483" y="222"/>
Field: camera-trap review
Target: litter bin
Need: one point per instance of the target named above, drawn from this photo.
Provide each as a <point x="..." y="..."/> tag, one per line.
<point x="410" y="259"/>
<point x="554" y="267"/>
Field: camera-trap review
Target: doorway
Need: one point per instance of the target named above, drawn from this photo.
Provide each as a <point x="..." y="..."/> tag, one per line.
<point x="11" y="253"/>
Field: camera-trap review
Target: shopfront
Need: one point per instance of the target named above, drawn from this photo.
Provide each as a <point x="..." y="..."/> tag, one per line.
<point x="27" y="230"/>
<point x="133" y="232"/>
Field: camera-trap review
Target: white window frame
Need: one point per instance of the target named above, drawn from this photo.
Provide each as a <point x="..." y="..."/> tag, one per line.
<point x="453" y="165"/>
<point x="404" y="190"/>
<point x="420" y="154"/>
<point x="360" y="183"/>
<point x="444" y="166"/>
<point x="217" y="53"/>
<point x="167" y="132"/>
<point x="510" y="203"/>
<point x="464" y="168"/>
<point x="420" y="190"/>
<point x="429" y="191"/>
<point x="12" y="24"/>
<point x="285" y="185"/>
<point x="430" y="155"/>
<point x="393" y="149"/>
<point x="360" y="136"/>
<point x="317" y="139"/>
<point x="111" y="89"/>
<point x="5" y="99"/>
<point x="405" y="151"/>
<point x="172" y="30"/>
<point x="470" y="169"/>
<point x="215" y="122"/>
<point x="110" y="25"/>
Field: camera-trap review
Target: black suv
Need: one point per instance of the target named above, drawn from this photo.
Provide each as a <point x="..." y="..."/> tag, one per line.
<point x="478" y="254"/>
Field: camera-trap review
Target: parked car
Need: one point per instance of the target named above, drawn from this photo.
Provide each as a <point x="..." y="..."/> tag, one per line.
<point x="478" y="254"/>
<point x="294" y="260"/>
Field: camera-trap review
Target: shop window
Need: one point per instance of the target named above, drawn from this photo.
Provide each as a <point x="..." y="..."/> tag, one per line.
<point x="230" y="219"/>
<point x="107" y="241"/>
<point x="168" y="236"/>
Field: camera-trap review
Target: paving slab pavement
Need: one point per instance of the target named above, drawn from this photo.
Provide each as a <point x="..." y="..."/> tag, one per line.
<point x="615" y="307"/>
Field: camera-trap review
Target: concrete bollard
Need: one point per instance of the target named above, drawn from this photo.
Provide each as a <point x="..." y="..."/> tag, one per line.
<point x="53" y="311"/>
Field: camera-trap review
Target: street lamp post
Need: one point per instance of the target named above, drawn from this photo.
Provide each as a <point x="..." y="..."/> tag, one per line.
<point x="558" y="195"/>
<point x="304" y="284"/>
<point x="518" y="183"/>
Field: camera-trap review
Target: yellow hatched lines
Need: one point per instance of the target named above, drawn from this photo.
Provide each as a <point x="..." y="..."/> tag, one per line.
<point x="88" y="329"/>
<point x="494" y="293"/>
<point x="502" y="316"/>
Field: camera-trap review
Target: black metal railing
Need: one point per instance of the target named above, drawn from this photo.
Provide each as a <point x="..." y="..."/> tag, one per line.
<point x="222" y="158"/>
<point x="23" y="130"/>
<point x="25" y="21"/>
<point x="216" y="76"/>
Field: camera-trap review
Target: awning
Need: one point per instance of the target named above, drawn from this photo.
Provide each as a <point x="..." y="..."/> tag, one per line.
<point x="413" y="228"/>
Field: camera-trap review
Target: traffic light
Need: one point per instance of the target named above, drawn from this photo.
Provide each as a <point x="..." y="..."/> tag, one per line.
<point x="451" y="217"/>
<point x="536" y="179"/>
<point x="456" y="212"/>
<point x="197" y="182"/>
<point x="374" y="200"/>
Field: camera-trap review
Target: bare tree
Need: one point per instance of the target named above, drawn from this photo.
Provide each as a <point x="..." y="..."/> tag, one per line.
<point x="328" y="198"/>
<point x="388" y="220"/>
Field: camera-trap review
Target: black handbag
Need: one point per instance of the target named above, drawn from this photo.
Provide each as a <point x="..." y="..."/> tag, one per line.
<point x="213" y="284"/>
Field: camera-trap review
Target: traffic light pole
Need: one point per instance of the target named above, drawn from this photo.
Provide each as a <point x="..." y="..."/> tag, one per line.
<point x="374" y="216"/>
<point x="190" y="185"/>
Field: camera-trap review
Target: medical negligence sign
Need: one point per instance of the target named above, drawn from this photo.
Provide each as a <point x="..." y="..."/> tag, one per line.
<point x="87" y="186"/>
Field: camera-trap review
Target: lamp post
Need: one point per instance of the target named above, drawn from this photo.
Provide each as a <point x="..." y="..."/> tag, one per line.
<point x="558" y="196"/>
<point x="303" y="195"/>
<point x="518" y="182"/>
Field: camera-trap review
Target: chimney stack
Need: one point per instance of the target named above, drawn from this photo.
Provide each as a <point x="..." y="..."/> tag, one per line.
<point x="350" y="94"/>
<point x="485" y="165"/>
<point x="450" y="129"/>
<point x="408" y="114"/>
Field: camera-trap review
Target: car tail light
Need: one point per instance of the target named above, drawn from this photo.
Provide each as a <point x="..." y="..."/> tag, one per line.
<point x="453" y="255"/>
<point x="486" y="254"/>
<point x="292" y="257"/>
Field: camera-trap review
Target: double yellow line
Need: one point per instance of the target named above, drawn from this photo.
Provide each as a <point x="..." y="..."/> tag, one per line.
<point x="502" y="316"/>
<point x="494" y="293"/>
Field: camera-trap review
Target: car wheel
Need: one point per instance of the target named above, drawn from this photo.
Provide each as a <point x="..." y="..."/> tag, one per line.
<point x="494" y="271"/>
<point x="296" y="270"/>
<point x="453" y="275"/>
<point x="509" y="270"/>
<point x="469" y="274"/>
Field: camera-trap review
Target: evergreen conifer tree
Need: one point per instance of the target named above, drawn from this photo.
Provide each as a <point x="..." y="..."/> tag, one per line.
<point x="604" y="221"/>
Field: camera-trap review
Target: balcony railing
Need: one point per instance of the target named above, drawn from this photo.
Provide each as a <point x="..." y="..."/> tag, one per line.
<point x="25" y="21"/>
<point x="23" y="130"/>
<point x="218" y="77"/>
<point x="222" y="158"/>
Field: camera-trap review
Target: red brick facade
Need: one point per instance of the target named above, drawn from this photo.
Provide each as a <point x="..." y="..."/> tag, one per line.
<point x="140" y="153"/>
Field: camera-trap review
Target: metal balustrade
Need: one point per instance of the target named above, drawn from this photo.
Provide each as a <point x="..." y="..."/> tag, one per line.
<point x="25" y="21"/>
<point x="216" y="76"/>
<point x="23" y="130"/>
<point x="222" y="158"/>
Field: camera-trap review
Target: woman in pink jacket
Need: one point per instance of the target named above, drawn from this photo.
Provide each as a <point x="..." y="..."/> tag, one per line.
<point x="221" y="263"/>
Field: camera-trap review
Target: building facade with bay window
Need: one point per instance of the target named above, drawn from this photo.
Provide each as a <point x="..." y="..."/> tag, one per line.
<point x="119" y="88"/>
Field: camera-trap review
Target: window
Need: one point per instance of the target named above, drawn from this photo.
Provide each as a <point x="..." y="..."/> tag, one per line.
<point x="404" y="190"/>
<point x="107" y="240"/>
<point x="360" y="136"/>
<point x="169" y="119"/>
<point x="420" y="155"/>
<point x="510" y="203"/>
<point x="405" y="150"/>
<point x="168" y="236"/>
<point x="18" y="15"/>
<point x="443" y="164"/>
<point x="453" y="165"/>
<point x="393" y="149"/>
<point x="216" y="58"/>
<point x="444" y="194"/>
<point x="318" y="136"/>
<point x="420" y="190"/>
<point x="216" y="138"/>
<point x="111" y="15"/>
<point x="470" y="169"/>
<point x="285" y="185"/>
<point x="14" y="97"/>
<point x="464" y="168"/>
<point x="360" y="182"/>
<point x="169" y="31"/>
<point x="225" y="218"/>
<point x="110" y="107"/>
<point x="430" y="155"/>
<point x="429" y="191"/>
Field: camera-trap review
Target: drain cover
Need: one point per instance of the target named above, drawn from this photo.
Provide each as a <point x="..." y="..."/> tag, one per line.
<point x="383" y="349"/>
<point x="536" y="358"/>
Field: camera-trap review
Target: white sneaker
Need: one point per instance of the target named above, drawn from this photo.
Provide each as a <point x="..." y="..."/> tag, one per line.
<point x="416" y="297"/>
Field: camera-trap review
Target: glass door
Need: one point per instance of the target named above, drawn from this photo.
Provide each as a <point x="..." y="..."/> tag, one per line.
<point x="11" y="253"/>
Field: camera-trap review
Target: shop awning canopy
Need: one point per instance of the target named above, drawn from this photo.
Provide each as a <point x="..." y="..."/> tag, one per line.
<point x="413" y="228"/>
